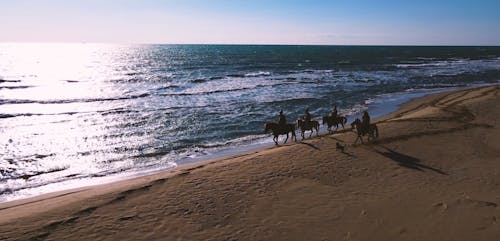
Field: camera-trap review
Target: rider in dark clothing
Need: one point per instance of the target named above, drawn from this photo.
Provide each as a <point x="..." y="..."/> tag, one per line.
<point x="366" y="121"/>
<point x="282" y="120"/>
<point x="334" y="113"/>
<point x="307" y="116"/>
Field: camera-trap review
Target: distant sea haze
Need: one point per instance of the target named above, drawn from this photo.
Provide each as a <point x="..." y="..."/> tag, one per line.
<point x="79" y="114"/>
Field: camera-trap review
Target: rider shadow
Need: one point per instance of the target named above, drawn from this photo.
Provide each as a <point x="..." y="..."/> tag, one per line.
<point x="311" y="145"/>
<point x="347" y="154"/>
<point x="406" y="160"/>
<point x="337" y="139"/>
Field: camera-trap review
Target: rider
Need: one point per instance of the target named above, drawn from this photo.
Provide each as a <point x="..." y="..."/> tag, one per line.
<point x="307" y="116"/>
<point x="366" y="121"/>
<point x="334" y="113"/>
<point x="282" y="120"/>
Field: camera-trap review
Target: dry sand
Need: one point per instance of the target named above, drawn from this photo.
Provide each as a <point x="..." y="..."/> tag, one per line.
<point x="433" y="174"/>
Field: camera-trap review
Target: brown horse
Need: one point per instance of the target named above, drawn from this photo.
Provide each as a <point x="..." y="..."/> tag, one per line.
<point x="372" y="130"/>
<point x="311" y="126"/>
<point x="279" y="130"/>
<point x="330" y="121"/>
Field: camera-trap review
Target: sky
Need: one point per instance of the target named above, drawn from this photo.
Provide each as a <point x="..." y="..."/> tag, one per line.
<point x="333" y="22"/>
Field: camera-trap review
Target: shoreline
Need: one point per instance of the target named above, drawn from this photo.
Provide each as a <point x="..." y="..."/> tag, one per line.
<point x="378" y="107"/>
<point x="383" y="110"/>
<point x="419" y="162"/>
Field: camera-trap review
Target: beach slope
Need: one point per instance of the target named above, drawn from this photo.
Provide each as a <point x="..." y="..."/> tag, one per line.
<point x="433" y="174"/>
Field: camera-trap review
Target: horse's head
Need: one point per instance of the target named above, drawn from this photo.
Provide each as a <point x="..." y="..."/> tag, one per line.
<point x="266" y="127"/>
<point x="355" y="123"/>
<point x="299" y="122"/>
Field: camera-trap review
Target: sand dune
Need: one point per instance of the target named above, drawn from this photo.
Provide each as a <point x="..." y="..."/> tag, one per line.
<point x="433" y="174"/>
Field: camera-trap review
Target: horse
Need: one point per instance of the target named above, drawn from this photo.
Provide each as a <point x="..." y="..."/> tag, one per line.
<point x="279" y="130"/>
<point x="330" y="121"/>
<point x="311" y="126"/>
<point x="372" y="130"/>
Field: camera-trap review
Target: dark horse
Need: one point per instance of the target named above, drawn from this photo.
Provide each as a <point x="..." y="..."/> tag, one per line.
<point x="311" y="126"/>
<point x="372" y="130"/>
<point x="330" y="121"/>
<point x="279" y="130"/>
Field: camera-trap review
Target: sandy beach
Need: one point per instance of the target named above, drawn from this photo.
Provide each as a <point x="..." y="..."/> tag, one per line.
<point x="431" y="175"/>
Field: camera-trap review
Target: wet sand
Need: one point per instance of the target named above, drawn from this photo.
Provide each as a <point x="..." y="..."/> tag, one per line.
<point x="433" y="174"/>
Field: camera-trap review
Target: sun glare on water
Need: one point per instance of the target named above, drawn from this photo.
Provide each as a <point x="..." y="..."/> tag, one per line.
<point x="60" y="94"/>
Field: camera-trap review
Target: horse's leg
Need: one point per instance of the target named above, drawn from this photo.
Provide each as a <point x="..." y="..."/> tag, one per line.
<point x="286" y="138"/>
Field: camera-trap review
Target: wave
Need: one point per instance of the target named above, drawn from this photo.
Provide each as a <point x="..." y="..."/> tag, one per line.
<point x="247" y="75"/>
<point x="250" y="75"/>
<point x="290" y="101"/>
<point x="203" y="80"/>
<point x="422" y="65"/>
<point x="67" y="101"/>
<point x="229" y="89"/>
<point x="208" y="92"/>
<point x="16" y="87"/>
<point x="452" y="62"/>
<point x="168" y="87"/>
<point x="117" y="111"/>
<point x="6" y="116"/>
<point x="10" y="81"/>
<point x="283" y="75"/>
<point x="460" y="77"/>
<point x="257" y="74"/>
<point x="27" y="175"/>
<point x="236" y="141"/>
<point x="236" y="75"/>
<point x="199" y="80"/>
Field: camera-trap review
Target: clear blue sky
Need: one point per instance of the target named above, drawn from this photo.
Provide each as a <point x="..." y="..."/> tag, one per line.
<point x="379" y="22"/>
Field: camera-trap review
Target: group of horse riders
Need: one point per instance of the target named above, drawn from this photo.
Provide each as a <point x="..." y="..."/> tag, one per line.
<point x="307" y="118"/>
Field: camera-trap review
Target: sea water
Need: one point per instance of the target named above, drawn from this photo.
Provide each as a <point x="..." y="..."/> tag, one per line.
<point x="80" y="114"/>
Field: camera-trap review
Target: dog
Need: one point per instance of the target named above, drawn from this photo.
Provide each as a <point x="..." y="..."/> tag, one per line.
<point x="340" y="147"/>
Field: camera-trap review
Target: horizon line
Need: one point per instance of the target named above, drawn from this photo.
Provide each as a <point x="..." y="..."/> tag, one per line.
<point x="263" y="44"/>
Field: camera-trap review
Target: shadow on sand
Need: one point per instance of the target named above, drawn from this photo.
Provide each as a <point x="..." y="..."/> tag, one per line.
<point x="406" y="160"/>
<point x="310" y="145"/>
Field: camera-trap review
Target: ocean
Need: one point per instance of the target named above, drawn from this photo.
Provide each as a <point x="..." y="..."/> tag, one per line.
<point x="81" y="114"/>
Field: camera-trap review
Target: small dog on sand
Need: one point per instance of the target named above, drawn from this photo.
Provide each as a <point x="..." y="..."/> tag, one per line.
<point x="340" y="147"/>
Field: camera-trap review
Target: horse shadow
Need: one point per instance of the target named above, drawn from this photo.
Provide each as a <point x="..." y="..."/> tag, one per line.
<point x="310" y="145"/>
<point x="406" y="160"/>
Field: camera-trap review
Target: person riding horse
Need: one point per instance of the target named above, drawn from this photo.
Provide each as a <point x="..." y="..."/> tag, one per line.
<point x="307" y="117"/>
<point x="366" y="122"/>
<point x="282" y="120"/>
<point x="334" y="113"/>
